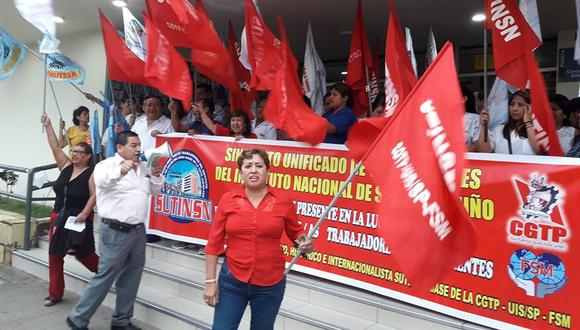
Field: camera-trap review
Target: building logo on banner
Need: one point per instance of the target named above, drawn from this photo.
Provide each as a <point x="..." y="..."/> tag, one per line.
<point x="538" y="275"/>
<point x="541" y="222"/>
<point x="184" y="197"/>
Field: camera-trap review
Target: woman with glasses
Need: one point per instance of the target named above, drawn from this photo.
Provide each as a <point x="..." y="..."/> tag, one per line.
<point x="75" y="197"/>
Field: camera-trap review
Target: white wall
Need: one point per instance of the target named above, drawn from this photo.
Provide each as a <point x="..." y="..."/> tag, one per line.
<point x="22" y="142"/>
<point x="566" y="39"/>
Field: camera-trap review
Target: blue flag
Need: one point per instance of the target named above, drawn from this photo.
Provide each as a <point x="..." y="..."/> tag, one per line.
<point x="95" y="134"/>
<point x="62" y="68"/>
<point x="12" y="52"/>
<point x="111" y="135"/>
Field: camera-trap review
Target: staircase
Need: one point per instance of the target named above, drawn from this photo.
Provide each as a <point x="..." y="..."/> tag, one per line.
<point x="171" y="296"/>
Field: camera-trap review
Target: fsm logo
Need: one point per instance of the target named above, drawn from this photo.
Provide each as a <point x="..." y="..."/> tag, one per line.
<point x="541" y="222"/>
<point x="538" y="275"/>
<point x="184" y="197"/>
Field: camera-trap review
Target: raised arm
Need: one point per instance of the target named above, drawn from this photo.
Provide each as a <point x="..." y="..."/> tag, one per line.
<point x="59" y="156"/>
<point x="178" y="126"/>
<point x="529" y="124"/>
<point x="481" y="145"/>
<point x="208" y="122"/>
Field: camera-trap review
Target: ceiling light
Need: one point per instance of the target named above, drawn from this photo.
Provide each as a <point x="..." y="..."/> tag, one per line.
<point x="344" y="73"/>
<point x="58" y="19"/>
<point x="479" y="17"/>
<point x="119" y="3"/>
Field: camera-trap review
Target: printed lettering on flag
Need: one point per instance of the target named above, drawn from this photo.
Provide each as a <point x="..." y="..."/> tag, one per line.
<point x="422" y="218"/>
<point x="61" y="68"/>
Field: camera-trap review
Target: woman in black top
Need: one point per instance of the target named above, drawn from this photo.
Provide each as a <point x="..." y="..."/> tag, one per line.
<point x="75" y="196"/>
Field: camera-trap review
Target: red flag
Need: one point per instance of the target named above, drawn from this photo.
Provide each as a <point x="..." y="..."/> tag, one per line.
<point x="419" y="171"/>
<point x="285" y="107"/>
<point x="546" y="132"/>
<point x="165" y="69"/>
<point x="179" y="7"/>
<point x="359" y="61"/>
<point x="263" y="49"/>
<point x="122" y="64"/>
<point x="242" y="100"/>
<point x="513" y="39"/>
<point x="212" y="59"/>
<point x="169" y="23"/>
<point x="399" y="74"/>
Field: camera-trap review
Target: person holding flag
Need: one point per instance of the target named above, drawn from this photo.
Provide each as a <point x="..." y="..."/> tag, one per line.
<point x="340" y="117"/>
<point x="518" y="136"/>
<point x="79" y="132"/>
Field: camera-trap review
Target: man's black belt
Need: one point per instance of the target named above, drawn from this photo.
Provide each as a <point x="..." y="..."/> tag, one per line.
<point x="120" y="226"/>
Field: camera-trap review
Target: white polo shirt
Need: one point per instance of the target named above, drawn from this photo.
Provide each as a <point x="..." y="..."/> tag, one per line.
<point x="163" y="125"/>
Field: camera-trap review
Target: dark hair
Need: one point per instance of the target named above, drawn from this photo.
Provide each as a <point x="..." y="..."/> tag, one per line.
<point x="241" y="113"/>
<point x="470" y="101"/>
<point x="79" y="111"/>
<point x="327" y="95"/>
<point x="123" y="137"/>
<point x="307" y="101"/>
<point x="344" y="90"/>
<point x="513" y="125"/>
<point x="205" y="87"/>
<point x="249" y="154"/>
<point x="88" y="150"/>
<point x="208" y="103"/>
<point x="574" y="104"/>
<point x="563" y="103"/>
<point x="154" y="97"/>
<point x="379" y="101"/>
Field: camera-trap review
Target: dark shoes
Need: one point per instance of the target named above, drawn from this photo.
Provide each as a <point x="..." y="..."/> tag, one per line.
<point x="129" y="326"/>
<point x="49" y="301"/>
<point x="73" y="326"/>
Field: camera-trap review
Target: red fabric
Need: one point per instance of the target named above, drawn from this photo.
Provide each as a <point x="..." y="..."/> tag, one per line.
<point x="285" y="107"/>
<point x="122" y="64"/>
<point x="362" y="134"/>
<point x="419" y="171"/>
<point x="253" y="235"/>
<point x="224" y="131"/>
<point x="211" y="58"/>
<point x="165" y="69"/>
<point x="359" y="59"/>
<point x="510" y="48"/>
<point x="56" y="266"/>
<point x="399" y="75"/>
<point x="545" y="127"/>
<point x="179" y="7"/>
<point x="242" y="99"/>
<point x="169" y="23"/>
<point x="263" y="49"/>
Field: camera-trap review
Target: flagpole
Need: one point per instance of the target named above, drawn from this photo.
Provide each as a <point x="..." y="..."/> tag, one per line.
<point x="59" y="112"/>
<point x="325" y="213"/>
<point x="368" y="90"/>
<point x="485" y="132"/>
<point x="40" y="58"/>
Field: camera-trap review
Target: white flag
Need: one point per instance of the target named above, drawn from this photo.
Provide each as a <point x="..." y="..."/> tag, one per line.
<point x="244" y="60"/>
<point x="314" y="74"/>
<point x="497" y="104"/>
<point x="409" y="42"/>
<point x="529" y="9"/>
<point x="577" y="48"/>
<point x="431" y="52"/>
<point x="135" y="34"/>
<point x="40" y="14"/>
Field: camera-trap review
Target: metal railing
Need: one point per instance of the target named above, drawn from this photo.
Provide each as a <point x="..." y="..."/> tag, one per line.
<point x="30" y="188"/>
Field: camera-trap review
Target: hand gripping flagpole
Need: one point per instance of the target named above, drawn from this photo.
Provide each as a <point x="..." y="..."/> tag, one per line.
<point x="325" y="213"/>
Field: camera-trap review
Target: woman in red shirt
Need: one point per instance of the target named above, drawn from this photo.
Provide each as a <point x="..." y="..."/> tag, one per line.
<point x="250" y="221"/>
<point x="240" y="125"/>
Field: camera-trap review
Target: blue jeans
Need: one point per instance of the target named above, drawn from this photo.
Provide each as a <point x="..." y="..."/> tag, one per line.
<point x="234" y="296"/>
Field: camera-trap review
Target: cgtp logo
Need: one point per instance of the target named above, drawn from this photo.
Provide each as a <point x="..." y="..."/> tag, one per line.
<point x="538" y="275"/>
<point x="184" y="197"/>
<point x="542" y="222"/>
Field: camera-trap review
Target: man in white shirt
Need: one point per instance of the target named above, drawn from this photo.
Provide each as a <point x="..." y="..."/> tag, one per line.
<point x="152" y="124"/>
<point x="123" y="186"/>
<point x="263" y="129"/>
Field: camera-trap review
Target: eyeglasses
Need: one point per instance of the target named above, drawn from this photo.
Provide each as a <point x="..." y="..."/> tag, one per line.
<point x="76" y="152"/>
